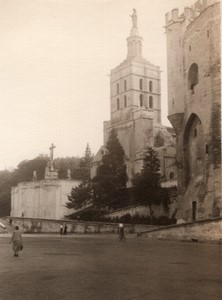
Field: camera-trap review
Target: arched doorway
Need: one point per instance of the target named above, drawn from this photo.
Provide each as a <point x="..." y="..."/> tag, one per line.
<point x="194" y="149"/>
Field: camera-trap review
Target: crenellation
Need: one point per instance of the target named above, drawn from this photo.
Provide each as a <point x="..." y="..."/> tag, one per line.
<point x="198" y="5"/>
<point x="167" y="17"/>
<point x="189" y="12"/>
<point x="175" y="14"/>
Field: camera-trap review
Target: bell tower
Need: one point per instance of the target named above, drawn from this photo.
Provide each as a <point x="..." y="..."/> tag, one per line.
<point x="135" y="102"/>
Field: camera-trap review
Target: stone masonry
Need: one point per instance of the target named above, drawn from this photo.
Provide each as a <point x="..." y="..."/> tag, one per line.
<point x="194" y="98"/>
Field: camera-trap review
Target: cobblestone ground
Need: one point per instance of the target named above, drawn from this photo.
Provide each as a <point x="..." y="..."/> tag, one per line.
<point x="99" y="267"/>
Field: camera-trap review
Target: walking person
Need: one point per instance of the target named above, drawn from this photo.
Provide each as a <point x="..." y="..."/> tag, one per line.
<point x="16" y="240"/>
<point x="121" y="232"/>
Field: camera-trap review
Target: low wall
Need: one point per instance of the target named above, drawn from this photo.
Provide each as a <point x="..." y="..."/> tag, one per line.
<point x="205" y="230"/>
<point x="29" y="225"/>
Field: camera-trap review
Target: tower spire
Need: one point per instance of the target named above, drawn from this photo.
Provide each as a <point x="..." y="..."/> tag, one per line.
<point x="134" y="41"/>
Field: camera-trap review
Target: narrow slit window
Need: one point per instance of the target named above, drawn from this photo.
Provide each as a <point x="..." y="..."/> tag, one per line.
<point x="141" y="100"/>
<point x="195" y="132"/>
<point x="125" y="85"/>
<point x="117" y="88"/>
<point x="118" y="104"/>
<point x="150" y="86"/>
<point x="150" y="102"/>
<point x="171" y="175"/>
<point x="125" y="101"/>
<point x="141" y="84"/>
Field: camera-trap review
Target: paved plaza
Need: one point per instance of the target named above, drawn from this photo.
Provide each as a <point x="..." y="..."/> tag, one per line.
<point x="99" y="267"/>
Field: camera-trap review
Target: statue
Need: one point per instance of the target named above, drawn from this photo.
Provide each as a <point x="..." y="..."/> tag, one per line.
<point x="69" y="174"/>
<point x="134" y="18"/>
<point x="34" y="178"/>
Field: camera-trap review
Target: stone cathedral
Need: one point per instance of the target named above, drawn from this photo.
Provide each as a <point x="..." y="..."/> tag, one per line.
<point x="135" y="102"/>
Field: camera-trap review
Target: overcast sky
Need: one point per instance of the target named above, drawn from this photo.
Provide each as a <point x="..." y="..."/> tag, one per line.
<point x="55" y="61"/>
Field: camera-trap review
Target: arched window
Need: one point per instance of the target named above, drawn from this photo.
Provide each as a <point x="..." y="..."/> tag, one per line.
<point x="171" y="175"/>
<point x="118" y="103"/>
<point x="192" y="77"/>
<point x="125" y="101"/>
<point x="117" y="88"/>
<point x="150" y="86"/>
<point x="125" y="85"/>
<point x="150" y="102"/>
<point x="141" y="100"/>
<point x="141" y="84"/>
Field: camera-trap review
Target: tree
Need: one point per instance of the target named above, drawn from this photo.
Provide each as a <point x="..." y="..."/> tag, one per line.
<point x="85" y="163"/>
<point x="80" y="196"/>
<point x="108" y="189"/>
<point x="146" y="185"/>
<point x="24" y="170"/>
<point x="62" y="164"/>
<point x="111" y="180"/>
<point x="6" y="181"/>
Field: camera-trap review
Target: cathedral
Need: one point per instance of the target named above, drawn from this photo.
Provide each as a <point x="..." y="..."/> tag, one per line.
<point x="194" y="98"/>
<point x="135" y="102"/>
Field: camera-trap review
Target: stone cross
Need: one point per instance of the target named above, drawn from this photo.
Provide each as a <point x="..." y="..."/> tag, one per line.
<point x="51" y="155"/>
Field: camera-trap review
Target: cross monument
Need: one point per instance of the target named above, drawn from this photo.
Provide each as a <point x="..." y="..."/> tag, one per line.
<point x="51" y="155"/>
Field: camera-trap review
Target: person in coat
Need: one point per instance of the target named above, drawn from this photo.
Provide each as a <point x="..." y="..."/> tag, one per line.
<point x="16" y="241"/>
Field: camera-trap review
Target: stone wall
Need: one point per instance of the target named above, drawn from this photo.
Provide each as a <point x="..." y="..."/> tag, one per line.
<point x="138" y="210"/>
<point x="29" y="225"/>
<point x="158" y="210"/>
<point x="42" y="198"/>
<point x="194" y="88"/>
<point x="206" y="230"/>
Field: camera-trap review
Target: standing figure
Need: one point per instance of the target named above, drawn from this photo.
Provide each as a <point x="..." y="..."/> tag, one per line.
<point x="34" y="177"/>
<point x="121" y="232"/>
<point x="16" y="240"/>
<point x="61" y="230"/>
<point x="69" y="174"/>
<point x="65" y="230"/>
<point x="134" y="18"/>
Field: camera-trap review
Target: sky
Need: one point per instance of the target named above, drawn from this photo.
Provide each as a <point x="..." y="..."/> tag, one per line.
<point x="55" y="61"/>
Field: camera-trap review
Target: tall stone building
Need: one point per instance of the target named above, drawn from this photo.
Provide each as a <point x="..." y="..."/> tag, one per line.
<point x="135" y="102"/>
<point x="194" y="97"/>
